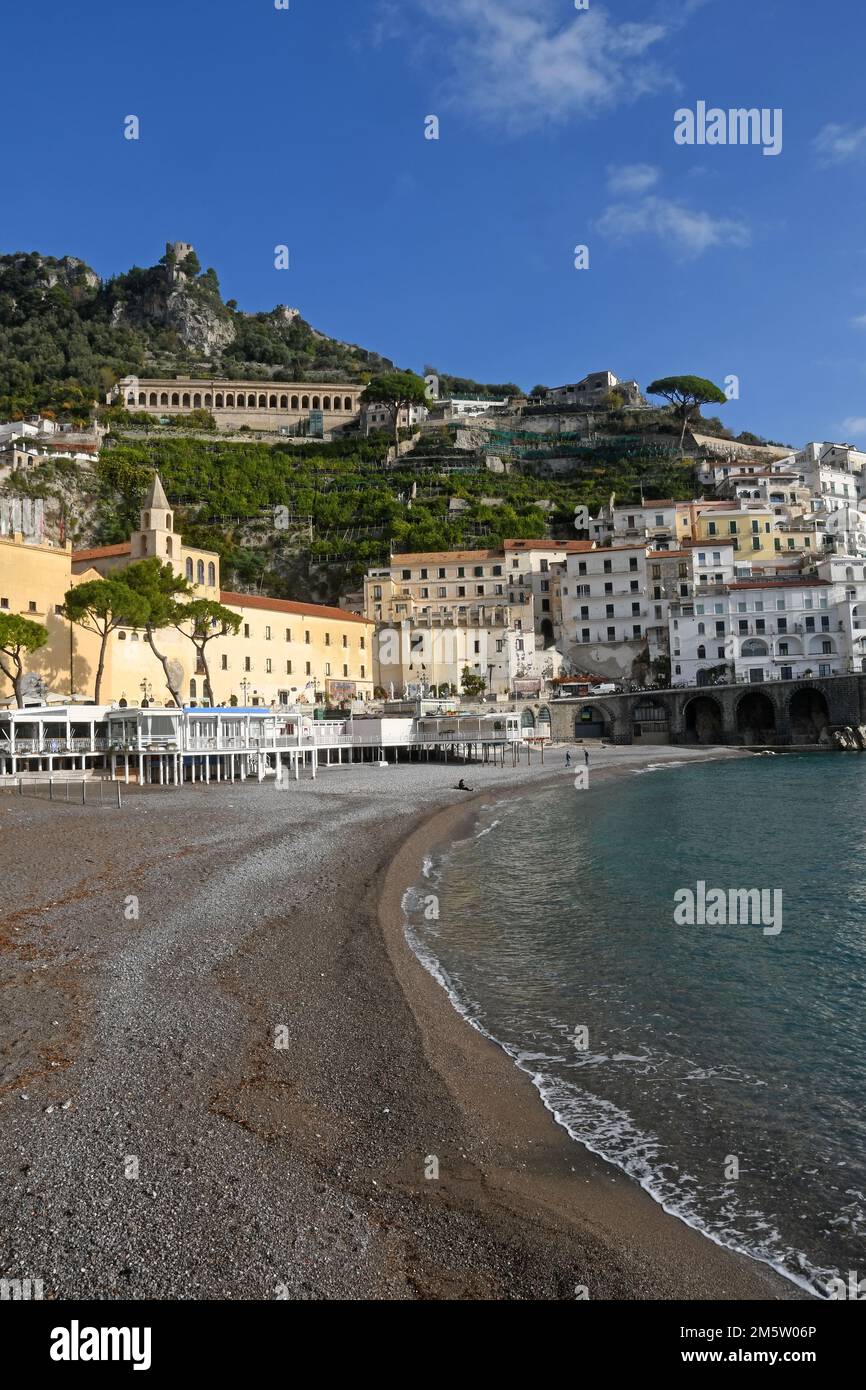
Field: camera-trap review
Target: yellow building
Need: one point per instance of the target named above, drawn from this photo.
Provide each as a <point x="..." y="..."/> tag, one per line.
<point x="751" y="532"/>
<point x="284" y="652"/>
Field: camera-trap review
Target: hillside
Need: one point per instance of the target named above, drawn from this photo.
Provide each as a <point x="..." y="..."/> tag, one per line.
<point x="66" y="335"/>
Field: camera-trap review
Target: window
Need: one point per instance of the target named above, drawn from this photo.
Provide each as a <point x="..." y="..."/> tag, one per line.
<point x="345" y="670"/>
<point x="327" y="639"/>
<point x="246" y="629"/>
<point x="363" y="643"/>
<point x="607" y="567"/>
<point x="327" y="668"/>
<point x="288" y="668"/>
<point x="224" y="663"/>
<point x="309" y="670"/>
<point x="268" y="667"/>
<point x="423" y="574"/>
<point x="632" y="564"/>
<point x="189" y="570"/>
<point x="609" y="610"/>
<point x="702" y="652"/>
<point x="611" y="634"/>
<point x="307" y="638"/>
<point x="345" y="641"/>
<point x="267" y="633"/>
<point x="248" y="665"/>
<point x="199" y="572"/>
<point x="442" y="592"/>
<point x="363" y="672"/>
<point x="211" y="574"/>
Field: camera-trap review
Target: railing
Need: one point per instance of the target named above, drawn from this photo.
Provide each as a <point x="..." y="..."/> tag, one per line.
<point x="21" y="747"/>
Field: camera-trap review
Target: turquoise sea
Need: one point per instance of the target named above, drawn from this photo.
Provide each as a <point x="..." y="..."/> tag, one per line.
<point x="722" y="1067"/>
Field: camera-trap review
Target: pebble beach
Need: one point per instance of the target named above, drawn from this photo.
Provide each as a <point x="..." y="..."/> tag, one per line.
<point x="223" y="1073"/>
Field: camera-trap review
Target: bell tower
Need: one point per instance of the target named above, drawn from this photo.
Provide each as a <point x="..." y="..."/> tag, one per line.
<point x="157" y="536"/>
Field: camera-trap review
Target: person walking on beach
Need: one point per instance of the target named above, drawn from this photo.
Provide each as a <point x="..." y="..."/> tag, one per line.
<point x="568" y="760"/>
<point x="586" y="756"/>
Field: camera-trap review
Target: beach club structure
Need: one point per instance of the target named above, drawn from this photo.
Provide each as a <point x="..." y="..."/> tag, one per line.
<point x="167" y="746"/>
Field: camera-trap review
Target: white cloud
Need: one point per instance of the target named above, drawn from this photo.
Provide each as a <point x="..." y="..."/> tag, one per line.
<point x="837" y="143"/>
<point x="520" y="64"/>
<point x="859" y="321"/>
<point x="855" y="425"/>
<point x="631" y="178"/>
<point x="689" y="229"/>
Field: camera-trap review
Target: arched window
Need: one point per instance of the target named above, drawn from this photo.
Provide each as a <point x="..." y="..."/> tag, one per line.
<point x="272" y="403"/>
<point x="130" y="400"/>
<point x="168" y="545"/>
<point x="347" y="404"/>
<point x="193" y="690"/>
<point x="295" y="403"/>
<point x="230" y="401"/>
<point x="242" y="400"/>
<point x="218" y="404"/>
<point x="147" y="521"/>
<point x="849" y="572"/>
<point x="186" y="399"/>
<point x="263" y="402"/>
<point x="189" y="569"/>
<point x="211" y="574"/>
<point x="338" y="404"/>
<point x="208" y="400"/>
<point x="144" y="545"/>
<point x="284" y="402"/>
<point x="199" y="572"/>
<point x="121" y="636"/>
<point x="326" y="402"/>
<point x="305" y="403"/>
<point x="142" y="398"/>
<point x="175" y="398"/>
<point x="163" y="400"/>
<point x="702" y="653"/>
<point x="153" y="398"/>
<point x="196" y="400"/>
<point x="168" y="525"/>
<point x="317" y="404"/>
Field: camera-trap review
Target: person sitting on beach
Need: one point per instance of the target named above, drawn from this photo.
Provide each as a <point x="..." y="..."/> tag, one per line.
<point x="462" y="787"/>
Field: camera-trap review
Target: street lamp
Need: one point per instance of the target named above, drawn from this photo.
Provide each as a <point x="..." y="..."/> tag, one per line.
<point x="146" y="693"/>
<point x="245" y="687"/>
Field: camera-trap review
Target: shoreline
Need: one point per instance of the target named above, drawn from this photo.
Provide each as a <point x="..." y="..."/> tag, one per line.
<point x="302" y="1166"/>
<point x="563" y="1179"/>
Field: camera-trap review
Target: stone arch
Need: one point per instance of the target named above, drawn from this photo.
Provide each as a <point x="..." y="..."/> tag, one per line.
<point x="296" y="404"/>
<point x="242" y="401"/>
<point x="527" y="720"/>
<point x="186" y="399"/>
<point x="263" y="402"/>
<point x="196" y="400"/>
<point x="592" y="721"/>
<point x="272" y="402"/>
<point x="704" y="720"/>
<point x="218" y="401"/>
<point x="199" y="572"/>
<point x="756" y="718"/>
<point x="153" y="400"/>
<point x="211" y="574"/>
<point x="175" y="398"/>
<point x="189" y="569"/>
<point x="547" y="633"/>
<point x="347" y="403"/>
<point x="208" y="400"/>
<point x="543" y="719"/>
<point x="284" y="402"/>
<point x="317" y="404"/>
<point x="816" y="644"/>
<point x="230" y="400"/>
<point x="808" y="713"/>
<point x="305" y="402"/>
<point x="163" y="399"/>
<point x="338" y="404"/>
<point x="130" y="400"/>
<point x="650" y="720"/>
<point x="754" y="646"/>
<point x="326" y="402"/>
<point x="142" y="398"/>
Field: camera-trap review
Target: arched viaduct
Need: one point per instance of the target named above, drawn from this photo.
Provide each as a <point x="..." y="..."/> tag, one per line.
<point x="781" y="712"/>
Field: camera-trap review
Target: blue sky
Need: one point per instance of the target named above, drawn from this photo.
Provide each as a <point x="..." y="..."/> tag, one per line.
<point x="305" y="127"/>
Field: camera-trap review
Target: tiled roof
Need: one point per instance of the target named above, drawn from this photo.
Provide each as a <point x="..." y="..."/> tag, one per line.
<point x="281" y="605"/>
<point x="102" y="552"/>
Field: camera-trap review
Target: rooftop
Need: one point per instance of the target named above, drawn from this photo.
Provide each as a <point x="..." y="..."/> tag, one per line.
<point x="281" y="605"/>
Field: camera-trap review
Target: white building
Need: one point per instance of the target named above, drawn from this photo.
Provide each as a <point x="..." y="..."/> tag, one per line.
<point x="605" y="610"/>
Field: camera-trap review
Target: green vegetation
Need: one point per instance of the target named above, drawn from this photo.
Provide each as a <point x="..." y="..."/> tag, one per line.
<point x="100" y="606"/>
<point x="19" y="637"/>
<point x="398" y="391"/>
<point x="66" y="337"/>
<point x="687" y="394"/>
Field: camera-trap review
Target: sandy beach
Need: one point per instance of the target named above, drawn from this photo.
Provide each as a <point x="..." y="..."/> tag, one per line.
<point x="223" y="1072"/>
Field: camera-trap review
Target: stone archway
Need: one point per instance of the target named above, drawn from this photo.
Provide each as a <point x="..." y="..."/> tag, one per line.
<point x="547" y="633"/>
<point x="756" y="718"/>
<point x="808" y="714"/>
<point x="703" y="720"/>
